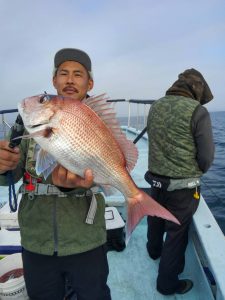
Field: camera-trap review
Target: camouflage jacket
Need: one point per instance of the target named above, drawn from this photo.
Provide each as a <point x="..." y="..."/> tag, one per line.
<point x="180" y="138"/>
<point x="49" y="223"/>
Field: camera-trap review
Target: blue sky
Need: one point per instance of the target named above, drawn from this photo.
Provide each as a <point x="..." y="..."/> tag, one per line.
<point x="137" y="47"/>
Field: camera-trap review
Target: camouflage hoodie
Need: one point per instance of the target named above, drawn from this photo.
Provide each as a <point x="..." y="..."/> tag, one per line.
<point x="179" y="129"/>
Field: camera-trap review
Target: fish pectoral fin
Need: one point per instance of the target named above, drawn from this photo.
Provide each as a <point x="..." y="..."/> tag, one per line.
<point x="48" y="171"/>
<point x="45" y="163"/>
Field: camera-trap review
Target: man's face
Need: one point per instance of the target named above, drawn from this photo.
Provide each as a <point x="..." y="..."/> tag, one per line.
<point x="72" y="80"/>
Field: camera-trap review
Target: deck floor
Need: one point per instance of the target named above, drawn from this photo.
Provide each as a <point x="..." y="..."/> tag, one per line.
<point x="132" y="274"/>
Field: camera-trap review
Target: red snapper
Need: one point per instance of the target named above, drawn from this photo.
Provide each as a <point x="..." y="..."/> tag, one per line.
<point x="86" y="135"/>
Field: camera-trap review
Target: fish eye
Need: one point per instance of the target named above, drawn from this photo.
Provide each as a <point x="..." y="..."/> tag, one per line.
<point x="43" y="99"/>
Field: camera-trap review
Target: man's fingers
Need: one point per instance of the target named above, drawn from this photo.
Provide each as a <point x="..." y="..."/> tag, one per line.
<point x="88" y="178"/>
<point x="4" y="145"/>
<point x="72" y="178"/>
<point x="62" y="172"/>
<point x="63" y="177"/>
<point x="13" y="150"/>
<point x="9" y="157"/>
<point x="88" y="175"/>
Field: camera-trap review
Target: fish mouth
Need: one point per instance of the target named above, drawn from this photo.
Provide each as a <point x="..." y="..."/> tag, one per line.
<point x="37" y="125"/>
<point x="34" y="126"/>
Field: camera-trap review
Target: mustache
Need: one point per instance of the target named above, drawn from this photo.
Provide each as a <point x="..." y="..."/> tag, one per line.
<point x="70" y="86"/>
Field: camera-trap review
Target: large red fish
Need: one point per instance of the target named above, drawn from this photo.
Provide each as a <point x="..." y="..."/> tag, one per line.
<point x="86" y="135"/>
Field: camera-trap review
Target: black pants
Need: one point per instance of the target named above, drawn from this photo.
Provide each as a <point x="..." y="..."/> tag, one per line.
<point x="47" y="277"/>
<point x="182" y="205"/>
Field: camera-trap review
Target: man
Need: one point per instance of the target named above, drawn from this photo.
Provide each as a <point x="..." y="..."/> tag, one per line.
<point x="59" y="248"/>
<point x="181" y="149"/>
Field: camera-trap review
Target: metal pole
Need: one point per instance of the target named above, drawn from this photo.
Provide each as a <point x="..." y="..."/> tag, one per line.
<point x="4" y="126"/>
<point x="144" y="115"/>
<point x="137" y="122"/>
<point x="128" y="121"/>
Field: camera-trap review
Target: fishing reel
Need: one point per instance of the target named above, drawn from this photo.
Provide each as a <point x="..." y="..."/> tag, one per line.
<point x="16" y="131"/>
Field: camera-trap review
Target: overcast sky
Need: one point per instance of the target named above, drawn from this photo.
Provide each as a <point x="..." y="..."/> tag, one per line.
<point x="137" y="47"/>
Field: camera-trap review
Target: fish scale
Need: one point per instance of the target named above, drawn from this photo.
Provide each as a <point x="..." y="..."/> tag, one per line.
<point x="85" y="135"/>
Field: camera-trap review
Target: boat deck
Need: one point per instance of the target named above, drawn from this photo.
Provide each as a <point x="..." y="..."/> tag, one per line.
<point x="133" y="274"/>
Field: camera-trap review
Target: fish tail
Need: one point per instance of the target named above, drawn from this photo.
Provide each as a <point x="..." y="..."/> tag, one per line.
<point x="143" y="205"/>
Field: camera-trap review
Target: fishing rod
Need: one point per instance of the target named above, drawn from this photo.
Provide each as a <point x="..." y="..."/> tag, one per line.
<point x="17" y="130"/>
<point x="140" y="135"/>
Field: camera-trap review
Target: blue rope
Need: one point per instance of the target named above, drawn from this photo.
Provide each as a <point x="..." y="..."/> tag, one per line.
<point x="12" y="202"/>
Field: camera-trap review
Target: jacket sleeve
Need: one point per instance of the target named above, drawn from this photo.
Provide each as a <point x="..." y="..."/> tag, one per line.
<point x="203" y="137"/>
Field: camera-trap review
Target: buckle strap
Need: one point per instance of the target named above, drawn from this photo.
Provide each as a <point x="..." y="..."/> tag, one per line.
<point x="49" y="189"/>
<point x="43" y="189"/>
<point x="92" y="210"/>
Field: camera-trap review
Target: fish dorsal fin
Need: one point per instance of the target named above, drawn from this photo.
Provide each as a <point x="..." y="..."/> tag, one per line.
<point x="106" y="112"/>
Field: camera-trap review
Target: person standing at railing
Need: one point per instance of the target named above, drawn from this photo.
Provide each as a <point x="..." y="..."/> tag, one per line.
<point x="181" y="149"/>
<point x="60" y="248"/>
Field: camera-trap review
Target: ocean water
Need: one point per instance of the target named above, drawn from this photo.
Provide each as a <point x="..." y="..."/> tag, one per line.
<point x="212" y="183"/>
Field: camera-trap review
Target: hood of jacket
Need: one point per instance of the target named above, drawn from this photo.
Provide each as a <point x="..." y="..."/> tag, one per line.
<point x="191" y="84"/>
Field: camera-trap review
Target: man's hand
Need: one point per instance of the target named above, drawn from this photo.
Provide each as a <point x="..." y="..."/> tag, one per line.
<point x="9" y="157"/>
<point x="64" y="178"/>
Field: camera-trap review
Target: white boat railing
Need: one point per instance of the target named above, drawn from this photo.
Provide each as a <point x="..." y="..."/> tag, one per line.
<point x="138" y="113"/>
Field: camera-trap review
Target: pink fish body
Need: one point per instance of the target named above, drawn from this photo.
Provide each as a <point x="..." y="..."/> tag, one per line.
<point x="86" y="135"/>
